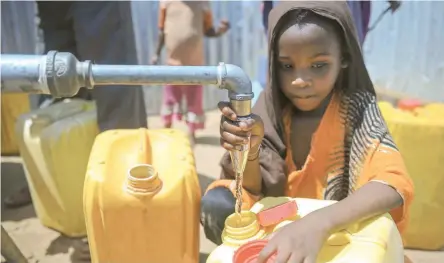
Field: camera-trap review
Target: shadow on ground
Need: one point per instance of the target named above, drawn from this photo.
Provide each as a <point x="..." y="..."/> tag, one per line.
<point x="12" y="180"/>
<point x="208" y="140"/>
<point x="63" y="244"/>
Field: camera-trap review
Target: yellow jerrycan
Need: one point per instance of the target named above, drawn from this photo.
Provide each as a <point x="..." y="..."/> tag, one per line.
<point x="142" y="197"/>
<point x="55" y="143"/>
<point x="376" y="240"/>
<point x="420" y="141"/>
<point x="13" y="105"/>
<point x="431" y="111"/>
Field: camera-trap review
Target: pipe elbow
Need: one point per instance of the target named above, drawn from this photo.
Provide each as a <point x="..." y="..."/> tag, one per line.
<point x="236" y="81"/>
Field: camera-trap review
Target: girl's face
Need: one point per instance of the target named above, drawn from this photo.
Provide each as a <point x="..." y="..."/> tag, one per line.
<point x="308" y="62"/>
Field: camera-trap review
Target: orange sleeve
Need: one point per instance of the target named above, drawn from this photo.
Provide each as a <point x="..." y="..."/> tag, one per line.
<point x="248" y="200"/>
<point x="162" y="15"/>
<point x="387" y="166"/>
<point x="208" y="16"/>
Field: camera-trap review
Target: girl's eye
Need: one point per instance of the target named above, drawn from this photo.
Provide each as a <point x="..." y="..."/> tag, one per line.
<point x="286" y="66"/>
<point x="319" y="65"/>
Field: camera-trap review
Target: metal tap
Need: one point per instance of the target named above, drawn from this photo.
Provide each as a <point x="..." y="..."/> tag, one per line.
<point x="60" y="74"/>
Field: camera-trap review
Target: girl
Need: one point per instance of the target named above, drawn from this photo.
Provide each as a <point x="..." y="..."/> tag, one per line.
<point x="182" y="28"/>
<point x="316" y="132"/>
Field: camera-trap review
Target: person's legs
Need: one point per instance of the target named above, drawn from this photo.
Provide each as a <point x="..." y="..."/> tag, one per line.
<point x="195" y="115"/>
<point x="172" y="97"/>
<point x="216" y="206"/>
<point x="104" y="34"/>
<point x="58" y="35"/>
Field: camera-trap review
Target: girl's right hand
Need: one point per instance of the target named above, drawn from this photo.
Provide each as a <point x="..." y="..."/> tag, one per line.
<point x="233" y="135"/>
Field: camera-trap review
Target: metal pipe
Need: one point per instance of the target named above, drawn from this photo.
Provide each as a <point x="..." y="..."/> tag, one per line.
<point x="62" y="75"/>
<point x="139" y="75"/>
<point x="22" y="73"/>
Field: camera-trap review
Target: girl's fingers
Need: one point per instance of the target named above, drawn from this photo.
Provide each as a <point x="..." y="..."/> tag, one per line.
<point x="247" y="125"/>
<point x="240" y="129"/>
<point x="296" y="258"/>
<point x="233" y="139"/>
<point x="310" y="260"/>
<point x="226" y="145"/>
<point x="266" y="252"/>
<point x="283" y="256"/>
<point x="225" y="108"/>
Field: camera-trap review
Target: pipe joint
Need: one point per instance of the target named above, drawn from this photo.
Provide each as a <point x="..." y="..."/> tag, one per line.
<point x="236" y="81"/>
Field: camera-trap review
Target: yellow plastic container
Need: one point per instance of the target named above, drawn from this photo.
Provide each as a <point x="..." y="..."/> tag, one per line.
<point x="376" y="240"/>
<point x="420" y="141"/>
<point x="432" y="111"/>
<point x="142" y="198"/>
<point x="55" y="143"/>
<point x="13" y="105"/>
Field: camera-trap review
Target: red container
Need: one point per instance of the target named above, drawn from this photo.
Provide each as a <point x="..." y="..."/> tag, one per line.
<point x="249" y="252"/>
<point x="277" y="214"/>
<point x="409" y="104"/>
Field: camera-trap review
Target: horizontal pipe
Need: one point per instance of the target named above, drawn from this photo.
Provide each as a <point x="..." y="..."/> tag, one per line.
<point x="140" y="75"/>
<point x="62" y="75"/>
<point x="23" y="73"/>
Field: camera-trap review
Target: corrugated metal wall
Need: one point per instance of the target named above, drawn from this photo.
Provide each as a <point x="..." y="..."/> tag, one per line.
<point x="19" y="32"/>
<point x="404" y="53"/>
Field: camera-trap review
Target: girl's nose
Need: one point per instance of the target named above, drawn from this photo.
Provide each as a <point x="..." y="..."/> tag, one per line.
<point x="300" y="83"/>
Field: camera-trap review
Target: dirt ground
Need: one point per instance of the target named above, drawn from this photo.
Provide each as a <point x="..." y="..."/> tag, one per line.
<point x="43" y="245"/>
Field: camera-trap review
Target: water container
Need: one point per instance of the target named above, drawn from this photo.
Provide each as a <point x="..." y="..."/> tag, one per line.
<point x="55" y="143"/>
<point x="420" y="139"/>
<point x="13" y="105"/>
<point x="376" y="240"/>
<point x="142" y="197"/>
<point x="432" y="111"/>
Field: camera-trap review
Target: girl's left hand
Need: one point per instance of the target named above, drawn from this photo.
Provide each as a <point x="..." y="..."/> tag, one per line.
<point x="297" y="242"/>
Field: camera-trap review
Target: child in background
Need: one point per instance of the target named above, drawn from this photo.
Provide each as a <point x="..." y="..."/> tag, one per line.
<point x="316" y="132"/>
<point x="182" y="27"/>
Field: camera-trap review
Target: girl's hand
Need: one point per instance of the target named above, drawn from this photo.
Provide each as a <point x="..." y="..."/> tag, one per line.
<point x="224" y="26"/>
<point x="297" y="242"/>
<point x="232" y="135"/>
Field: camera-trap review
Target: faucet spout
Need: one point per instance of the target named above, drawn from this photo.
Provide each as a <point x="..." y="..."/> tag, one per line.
<point x="238" y="84"/>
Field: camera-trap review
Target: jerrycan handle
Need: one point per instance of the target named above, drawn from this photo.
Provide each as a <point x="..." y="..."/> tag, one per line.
<point x="144" y="149"/>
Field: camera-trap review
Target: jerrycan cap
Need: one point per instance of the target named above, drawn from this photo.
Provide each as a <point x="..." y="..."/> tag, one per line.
<point x="249" y="252"/>
<point x="277" y="214"/>
<point x="409" y="104"/>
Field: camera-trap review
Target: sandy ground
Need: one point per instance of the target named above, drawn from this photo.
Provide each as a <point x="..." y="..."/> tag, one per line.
<point x="40" y="244"/>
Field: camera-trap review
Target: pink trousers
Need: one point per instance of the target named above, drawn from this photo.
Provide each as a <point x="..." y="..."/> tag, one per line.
<point x="172" y="107"/>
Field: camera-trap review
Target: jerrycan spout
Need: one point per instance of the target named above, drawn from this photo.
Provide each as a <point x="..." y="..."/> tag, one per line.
<point x="239" y="230"/>
<point x="143" y="179"/>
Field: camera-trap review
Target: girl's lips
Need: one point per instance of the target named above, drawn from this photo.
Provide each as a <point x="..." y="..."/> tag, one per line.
<point x="304" y="97"/>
